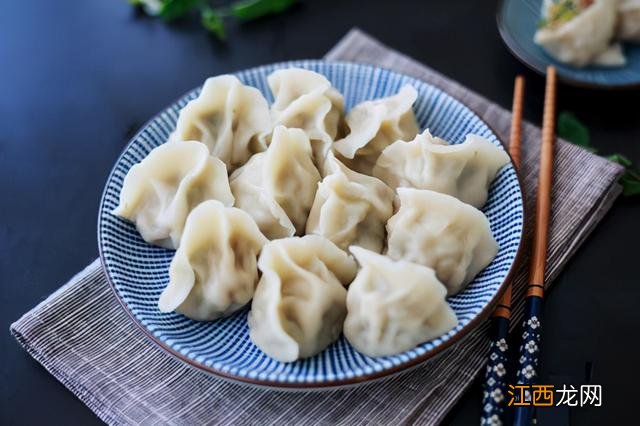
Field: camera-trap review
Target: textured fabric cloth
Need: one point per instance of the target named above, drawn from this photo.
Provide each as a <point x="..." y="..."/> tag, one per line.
<point x="82" y="335"/>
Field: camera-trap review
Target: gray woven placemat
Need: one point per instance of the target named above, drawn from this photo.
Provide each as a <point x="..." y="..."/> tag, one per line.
<point x="82" y="336"/>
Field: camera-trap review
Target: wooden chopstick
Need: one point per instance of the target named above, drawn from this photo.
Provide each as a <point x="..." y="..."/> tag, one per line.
<point x="515" y="146"/>
<point x="495" y="385"/>
<point x="529" y="361"/>
<point x="543" y="204"/>
<point x="515" y="137"/>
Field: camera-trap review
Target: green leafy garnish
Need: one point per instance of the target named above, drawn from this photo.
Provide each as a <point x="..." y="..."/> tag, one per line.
<point x="213" y="22"/>
<point x="212" y="18"/>
<point x="571" y="129"/>
<point x="630" y="180"/>
<point x="254" y="9"/>
<point x="174" y="9"/>
<point x="620" y="159"/>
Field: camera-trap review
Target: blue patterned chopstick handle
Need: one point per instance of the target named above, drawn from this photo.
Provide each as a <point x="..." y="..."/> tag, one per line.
<point x="495" y="383"/>
<point x="529" y="360"/>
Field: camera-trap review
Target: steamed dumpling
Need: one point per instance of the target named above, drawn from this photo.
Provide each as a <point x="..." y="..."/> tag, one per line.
<point x="629" y="21"/>
<point x="464" y="171"/>
<point x="300" y="302"/>
<point x="373" y="125"/>
<point x="392" y="306"/>
<point x="159" y="192"/>
<point x="350" y="208"/>
<point x="580" y="35"/>
<point x="214" y="272"/>
<point x="306" y="100"/>
<point x="277" y="187"/>
<point x="228" y="117"/>
<point x="443" y="233"/>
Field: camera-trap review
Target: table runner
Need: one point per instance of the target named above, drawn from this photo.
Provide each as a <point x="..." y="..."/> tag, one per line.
<point x="83" y="337"/>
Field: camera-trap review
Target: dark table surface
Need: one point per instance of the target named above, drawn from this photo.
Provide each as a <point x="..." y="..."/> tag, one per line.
<point x="78" y="78"/>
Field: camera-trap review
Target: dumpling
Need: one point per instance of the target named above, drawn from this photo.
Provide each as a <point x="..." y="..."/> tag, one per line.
<point x="350" y="208"/>
<point x="277" y="187"/>
<point x="306" y="100"/>
<point x="159" y="192"/>
<point x="228" y="117"/>
<point x="214" y="272"/>
<point x="629" y="20"/>
<point x="464" y="171"/>
<point x="578" y="34"/>
<point x="392" y="306"/>
<point x="300" y="302"/>
<point x="373" y="125"/>
<point x="443" y="233"/>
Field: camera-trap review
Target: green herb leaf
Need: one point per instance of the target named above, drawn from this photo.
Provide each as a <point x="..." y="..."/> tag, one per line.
<point x="248" y="10"/>
<point x="571" y="129"/>
<point x="174" y="9"/>
<point x="213" y="22"/>
<point x="630" y="180"/>
<point x="620" y="159"/>
<point x="630" y="184"/>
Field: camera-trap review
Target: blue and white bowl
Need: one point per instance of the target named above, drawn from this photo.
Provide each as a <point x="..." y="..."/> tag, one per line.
<point x="518" y="22"/>
<point x="138" y="271"/>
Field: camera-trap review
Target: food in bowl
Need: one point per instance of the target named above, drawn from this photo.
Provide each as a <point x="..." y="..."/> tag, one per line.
<point x="300" y="302"/>
<point x="292" y="180"/>
<point x="213" y="273"/>
<point x="394" y="305"/>
<point x="159" y="192"/>
<point x="588" y="32"/>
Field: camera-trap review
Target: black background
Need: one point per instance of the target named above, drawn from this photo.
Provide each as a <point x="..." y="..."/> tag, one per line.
<point x="79" y="77"/>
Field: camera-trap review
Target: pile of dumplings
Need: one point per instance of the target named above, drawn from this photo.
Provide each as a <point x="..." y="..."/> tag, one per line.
<point x="588" y="32"/>
<point x="325" y="222"/>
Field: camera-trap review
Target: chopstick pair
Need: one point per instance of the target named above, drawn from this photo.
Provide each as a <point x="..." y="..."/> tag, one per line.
<point x="495" y="387"/>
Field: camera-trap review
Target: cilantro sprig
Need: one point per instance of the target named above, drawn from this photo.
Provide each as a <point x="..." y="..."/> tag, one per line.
<point x="213" y="16"/>
<point x="571" y="129"/>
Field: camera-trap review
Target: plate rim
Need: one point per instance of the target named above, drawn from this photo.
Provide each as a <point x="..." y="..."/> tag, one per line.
<point x="512" y="46"/>
<point x="406" y="366"/>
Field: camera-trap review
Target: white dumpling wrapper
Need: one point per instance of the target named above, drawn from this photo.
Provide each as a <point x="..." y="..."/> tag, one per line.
<point x="299" y="305"/>
<point x="584" y="38"/>
<point x="277" y="187"/>
<point x="350" y="208"/>
<point x="613" y="56"/>
<point x="228" y="117"/>
<point x="629" y="21"/>
<point x="306" y="100"/>
<point x="443" y="233"/>
<point x="214" y="271"/>
<point x="393" y="306"/>
<point x="373" y="125"/>
<point x="464" y="171"/>
<point x="159" y="192"/>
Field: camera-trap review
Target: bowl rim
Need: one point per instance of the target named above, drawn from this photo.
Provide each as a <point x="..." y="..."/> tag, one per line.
<point x="512" y="46"/>
<point x="465" y="331"/>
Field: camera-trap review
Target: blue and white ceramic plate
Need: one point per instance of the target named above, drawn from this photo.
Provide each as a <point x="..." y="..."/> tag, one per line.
<point x="518" y="22"/>
<point x="138" y="271"/>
